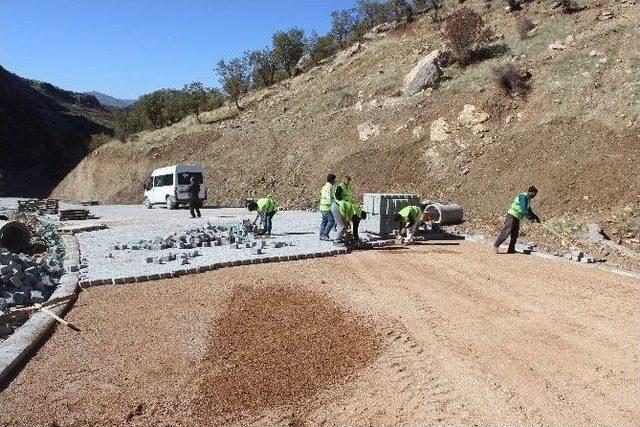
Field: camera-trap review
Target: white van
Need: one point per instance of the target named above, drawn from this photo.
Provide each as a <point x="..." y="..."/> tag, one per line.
<point x="170" y="186"/>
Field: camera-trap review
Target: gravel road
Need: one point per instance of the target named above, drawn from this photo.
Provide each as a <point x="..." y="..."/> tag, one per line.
<point x="444" y="333"/>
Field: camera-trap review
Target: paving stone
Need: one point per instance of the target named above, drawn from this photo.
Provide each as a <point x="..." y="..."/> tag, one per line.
<point x="142" y="278"/>
<point x="154" y="276"/>
<point x="118" y="281"/>
<point x="166" y="275"/>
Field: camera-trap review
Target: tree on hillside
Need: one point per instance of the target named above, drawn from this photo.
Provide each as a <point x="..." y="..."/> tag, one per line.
<point x="465" y="32"/>
<point x="397" y="10"/>
<point x="198" y="98"/>
<point x="235" y="78"/>
<point x="288" y="48"/>
<point x="370" y="13"/>
<point x="263" y="66"/>
<point x="320" y="47"/>
<point x="343" y="23"/>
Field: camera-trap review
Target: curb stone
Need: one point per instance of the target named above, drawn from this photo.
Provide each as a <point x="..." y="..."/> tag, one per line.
<point x="19" y="345"/>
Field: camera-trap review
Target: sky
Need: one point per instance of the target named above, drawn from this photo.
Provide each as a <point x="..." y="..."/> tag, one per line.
<point x="126" y="48"/>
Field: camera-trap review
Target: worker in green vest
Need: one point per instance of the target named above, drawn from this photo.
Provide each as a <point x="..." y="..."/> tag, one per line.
<point x="327" y="196"/>
<point x="408" y="217"/>
<point x="520" y="208"/>
<point x="343" y="190"/>
<point x="351" y="213"/>
<point x="266" y="209"/>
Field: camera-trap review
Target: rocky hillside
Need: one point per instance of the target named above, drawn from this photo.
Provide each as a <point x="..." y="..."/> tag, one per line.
<point x="44" y="132"/>
<point x="574" y="136"/>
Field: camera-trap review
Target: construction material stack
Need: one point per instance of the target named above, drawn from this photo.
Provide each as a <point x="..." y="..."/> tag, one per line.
<point x="45" y="206"/>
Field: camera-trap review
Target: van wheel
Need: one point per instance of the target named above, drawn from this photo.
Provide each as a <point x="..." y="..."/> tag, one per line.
<point x="170" y="204"/>
<point x="147" y="203"/>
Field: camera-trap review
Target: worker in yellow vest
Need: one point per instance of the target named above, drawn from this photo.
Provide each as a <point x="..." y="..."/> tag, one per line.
<point x="266" y="209"/>
<point x="327" y="196"/>
<point x="351" y="213"/>
<point x="343" y="190"/>
<point x="410" y="218"/>
<point x="520" y="208"/>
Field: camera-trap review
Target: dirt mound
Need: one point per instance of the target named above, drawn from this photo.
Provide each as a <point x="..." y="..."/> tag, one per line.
<point x="278" y="346"/>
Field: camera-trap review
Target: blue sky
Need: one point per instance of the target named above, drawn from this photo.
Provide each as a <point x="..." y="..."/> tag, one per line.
<point x="126" y="48"/>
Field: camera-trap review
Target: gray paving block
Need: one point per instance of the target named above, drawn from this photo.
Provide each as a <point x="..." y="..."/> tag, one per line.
<point x="130" y="279"/>
<point x="192" y="270"/>
<point x="118" y="281"/>
<point x="246" y="262"/>
<point x="166" y="275"/>
<point x="142" y="278"/>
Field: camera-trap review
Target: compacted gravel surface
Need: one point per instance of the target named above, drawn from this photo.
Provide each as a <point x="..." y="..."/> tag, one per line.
<point x="439" y="333"/>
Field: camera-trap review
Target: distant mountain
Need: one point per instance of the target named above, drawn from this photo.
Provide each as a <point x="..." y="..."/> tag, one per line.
<point x="44" y="133"/>
<point x="110" y="101"/>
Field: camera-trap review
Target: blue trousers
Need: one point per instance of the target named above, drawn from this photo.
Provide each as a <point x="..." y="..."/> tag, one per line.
<point x="266" y="220"/>
<point x="326" y="224"/>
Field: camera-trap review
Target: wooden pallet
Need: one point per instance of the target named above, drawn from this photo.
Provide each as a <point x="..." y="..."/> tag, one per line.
<point x="49" y="206"/>
<point x="74" y="214"/>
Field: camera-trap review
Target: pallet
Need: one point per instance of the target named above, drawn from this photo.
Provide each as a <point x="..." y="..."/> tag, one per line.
<point x="48" y="206"/>
<point x="74" y="214"/>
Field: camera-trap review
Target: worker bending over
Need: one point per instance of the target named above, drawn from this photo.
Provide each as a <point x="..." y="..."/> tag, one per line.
<point x="327" y="195"/>
<point x="520" y="208"/>
<point x="266" y="209"/>
<point x="409" y="218"/>
<point x="350" y="213"/>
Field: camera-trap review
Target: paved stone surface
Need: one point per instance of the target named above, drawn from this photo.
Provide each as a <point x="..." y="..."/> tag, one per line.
<point x="296" y="231"/>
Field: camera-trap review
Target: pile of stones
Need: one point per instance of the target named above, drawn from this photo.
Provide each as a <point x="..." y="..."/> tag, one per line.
<point x="577" y="256"/>
<point x="26" y="280"/>
<point x="239" y="237"/>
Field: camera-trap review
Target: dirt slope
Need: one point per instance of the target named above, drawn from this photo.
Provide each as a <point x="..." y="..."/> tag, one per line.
<point x="443" y="334"/>
<point x="575" y="137"/>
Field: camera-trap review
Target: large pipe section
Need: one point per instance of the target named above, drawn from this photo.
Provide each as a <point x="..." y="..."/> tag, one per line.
<point x="451" y="214"/>
<point x="14" y="236"/>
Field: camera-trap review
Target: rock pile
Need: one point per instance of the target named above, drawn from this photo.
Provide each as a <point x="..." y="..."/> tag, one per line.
<point x="239" y="237"/>
<point x="25" y="280"/>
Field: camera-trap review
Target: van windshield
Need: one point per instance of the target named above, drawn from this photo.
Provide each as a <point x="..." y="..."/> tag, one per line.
<point x="184" y="177"/>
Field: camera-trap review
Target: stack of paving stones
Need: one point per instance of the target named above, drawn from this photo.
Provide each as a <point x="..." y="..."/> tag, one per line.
<point x="44" y="206"/>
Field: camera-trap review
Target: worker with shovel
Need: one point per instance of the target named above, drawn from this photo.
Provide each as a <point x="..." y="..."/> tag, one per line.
<point x="266" y="209"/>
<point x="520" y="208"/>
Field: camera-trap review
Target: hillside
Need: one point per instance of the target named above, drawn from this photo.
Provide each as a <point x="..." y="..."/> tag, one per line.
<point x="575" y="136"/>
<point x="44" y="131"/>
<point x="110" y="101"/>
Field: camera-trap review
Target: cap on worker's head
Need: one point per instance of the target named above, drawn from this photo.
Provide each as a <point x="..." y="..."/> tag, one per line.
<point x="423" y="206"/>
<point x="252" y="205"/>
<point x="363" y="215"/>
<point x="397" y="217"/>
<point x="331" y="177"/>
<point x="532" y="189"/>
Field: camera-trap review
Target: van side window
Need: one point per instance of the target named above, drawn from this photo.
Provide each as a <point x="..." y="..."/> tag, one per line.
<point x="157" y="181"/>
<point x="167" y="179"/>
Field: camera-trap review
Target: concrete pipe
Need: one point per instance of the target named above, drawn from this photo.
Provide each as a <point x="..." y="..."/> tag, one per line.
<point x="14" y="236"/>
<point x="445" y="214"/>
